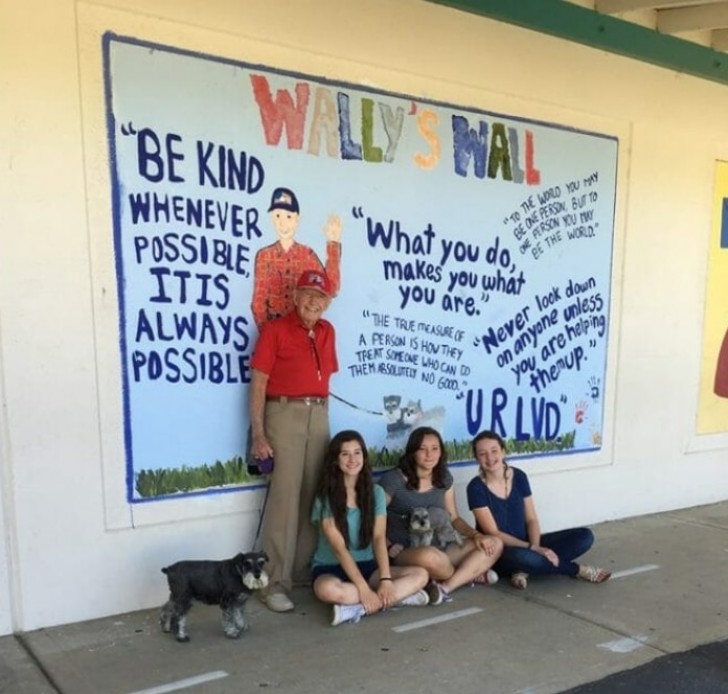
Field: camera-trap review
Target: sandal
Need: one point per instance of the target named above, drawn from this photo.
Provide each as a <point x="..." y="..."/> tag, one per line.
<point x="487" y="578"/>
<point x="519" y="580"/>
<point x="593" y="574"/>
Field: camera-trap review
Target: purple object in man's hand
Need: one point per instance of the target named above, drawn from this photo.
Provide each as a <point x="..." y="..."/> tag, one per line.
<point x="260" y="467"/>
<point x="266" y="466"/>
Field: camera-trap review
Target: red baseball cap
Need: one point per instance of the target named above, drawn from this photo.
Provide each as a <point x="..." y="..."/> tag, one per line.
<point x="314" y="279"/>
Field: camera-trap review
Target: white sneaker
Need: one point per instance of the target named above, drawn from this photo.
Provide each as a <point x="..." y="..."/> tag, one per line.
<point x="278" y="602"/>
<point x="418" y="599"/>
<point x="347" y="613"/>
<point x="488" y="578"/>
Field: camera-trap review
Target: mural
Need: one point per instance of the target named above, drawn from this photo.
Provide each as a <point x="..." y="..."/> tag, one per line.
<point x="471" y="252"/>
<point x="713" y="405"/>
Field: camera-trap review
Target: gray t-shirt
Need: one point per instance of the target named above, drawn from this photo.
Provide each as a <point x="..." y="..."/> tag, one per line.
<point x="404" y="500"/>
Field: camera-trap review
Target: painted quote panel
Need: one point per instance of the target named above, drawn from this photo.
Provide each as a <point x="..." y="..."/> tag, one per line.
<point x="472" y="253"/>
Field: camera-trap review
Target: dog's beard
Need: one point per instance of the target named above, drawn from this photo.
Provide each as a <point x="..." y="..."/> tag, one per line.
<point x="420" y="525"/>
<point x="420" y="530"/>
<point x="253" y="583"/>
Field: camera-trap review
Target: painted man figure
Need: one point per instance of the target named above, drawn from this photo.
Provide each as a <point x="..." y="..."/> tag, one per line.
<point x="278" y="266"/>
<point x="291" y="366"/>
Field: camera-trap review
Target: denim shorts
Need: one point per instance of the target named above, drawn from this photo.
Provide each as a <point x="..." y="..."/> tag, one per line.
<point x="367" y="568"/>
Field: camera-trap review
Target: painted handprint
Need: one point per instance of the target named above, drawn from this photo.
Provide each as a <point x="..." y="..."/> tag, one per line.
<point x="594" y="391"/>
<point x="580" y="411"/>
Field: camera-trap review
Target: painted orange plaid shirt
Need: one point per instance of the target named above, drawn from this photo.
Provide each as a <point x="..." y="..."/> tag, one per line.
<point x="277" y="271"/>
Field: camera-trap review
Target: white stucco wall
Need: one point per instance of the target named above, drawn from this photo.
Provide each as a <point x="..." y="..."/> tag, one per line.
<point x="78" y="553"/>
<point x="6" y="536"/>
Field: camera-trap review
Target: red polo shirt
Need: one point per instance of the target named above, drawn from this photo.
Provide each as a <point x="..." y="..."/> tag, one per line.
<point x="285" y="352"/>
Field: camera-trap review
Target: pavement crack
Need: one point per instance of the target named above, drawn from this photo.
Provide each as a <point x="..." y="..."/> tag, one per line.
<point x="20" y="639"/>
<point x="698" y="523"/>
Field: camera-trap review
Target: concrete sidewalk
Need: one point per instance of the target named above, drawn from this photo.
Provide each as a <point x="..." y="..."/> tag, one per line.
<point x="668" y="594"/>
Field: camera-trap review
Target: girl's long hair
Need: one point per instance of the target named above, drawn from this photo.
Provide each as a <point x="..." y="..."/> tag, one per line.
<point x="331" y="488"/>
<point x="407" y="462"/>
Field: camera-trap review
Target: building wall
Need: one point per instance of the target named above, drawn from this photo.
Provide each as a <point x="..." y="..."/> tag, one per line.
<point x="6" y="602"/>
<point x="76" y="555"/>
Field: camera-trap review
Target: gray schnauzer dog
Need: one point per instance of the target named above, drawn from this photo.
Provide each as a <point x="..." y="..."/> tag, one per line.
<point x="432" y="526"/>
<point x="227" y="583"/>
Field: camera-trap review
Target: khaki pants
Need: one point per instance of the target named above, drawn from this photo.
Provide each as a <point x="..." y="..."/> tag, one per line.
<point x="299" y="436"/>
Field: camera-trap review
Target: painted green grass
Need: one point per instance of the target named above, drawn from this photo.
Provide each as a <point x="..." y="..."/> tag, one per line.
<point x="151" y="483"/>
<point x="461" y="450"/>
<point x="186" y="479"/>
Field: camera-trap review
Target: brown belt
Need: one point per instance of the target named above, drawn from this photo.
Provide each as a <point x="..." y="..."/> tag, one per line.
<point x="306" y="400"/>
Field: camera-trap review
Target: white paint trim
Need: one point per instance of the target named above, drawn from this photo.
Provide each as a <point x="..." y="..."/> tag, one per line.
<point x="185" y="683"/>
<point x="699" y="443"/>
<point x="437" y="620"/>
<point x="625" y="645"/>
<point x="636" y="570"/>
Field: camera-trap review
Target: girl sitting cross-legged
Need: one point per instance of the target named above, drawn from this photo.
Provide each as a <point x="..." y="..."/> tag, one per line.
<point x="501" y="500"/>
<point x="422" y="479"/>
<point x="351" y="567"/>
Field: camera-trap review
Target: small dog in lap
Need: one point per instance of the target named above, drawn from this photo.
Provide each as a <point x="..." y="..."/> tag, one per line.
<point x="228" y="583"/>
<point x="432" y="526"/>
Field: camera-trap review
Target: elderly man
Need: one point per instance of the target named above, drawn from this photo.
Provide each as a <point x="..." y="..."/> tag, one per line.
<point x="278" y="266"/>
<point x="292" y="363"/>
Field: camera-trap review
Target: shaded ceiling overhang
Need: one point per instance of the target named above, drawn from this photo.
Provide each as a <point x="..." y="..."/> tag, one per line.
<point x="575" y="23"/>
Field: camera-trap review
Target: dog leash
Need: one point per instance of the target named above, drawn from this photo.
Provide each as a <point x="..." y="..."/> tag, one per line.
<point x="260" y="517"/>
<point x="356" y="407"/>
